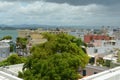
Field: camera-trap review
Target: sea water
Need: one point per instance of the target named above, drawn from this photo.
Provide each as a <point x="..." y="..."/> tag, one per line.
<point x="12" y="33"/>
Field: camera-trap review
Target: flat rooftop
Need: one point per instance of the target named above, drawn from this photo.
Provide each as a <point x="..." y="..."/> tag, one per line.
<point x="10" y="72"/>
<point x="6" y="76"/>
<point x="111" y="74"/>
<point x="12" y="69"/>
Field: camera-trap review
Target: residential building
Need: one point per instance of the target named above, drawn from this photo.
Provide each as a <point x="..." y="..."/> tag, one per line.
<point x="111" y="74"/>
<point x="90" y="70"/>
<point x="91" y="37"/>
<point x="4" y="49"/>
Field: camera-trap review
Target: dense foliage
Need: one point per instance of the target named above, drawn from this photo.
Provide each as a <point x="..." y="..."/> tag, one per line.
<point x="7" y="37"/>
<point x="57" y="59"/>
<point x="21" y="46"/>
<point x="21" y="42"/>
<point x="12" y="59"/>
<point x="106" y="63"/>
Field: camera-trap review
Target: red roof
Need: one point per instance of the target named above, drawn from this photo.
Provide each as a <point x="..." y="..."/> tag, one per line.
<point x="89" y="38"/>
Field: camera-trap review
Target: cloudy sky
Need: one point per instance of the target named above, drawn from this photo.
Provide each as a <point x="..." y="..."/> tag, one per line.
<point x="60" y="12"/>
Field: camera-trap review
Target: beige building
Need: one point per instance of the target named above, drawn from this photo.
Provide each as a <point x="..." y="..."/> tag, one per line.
<point x="23" y="33"/>
<point x="35" y="36"/>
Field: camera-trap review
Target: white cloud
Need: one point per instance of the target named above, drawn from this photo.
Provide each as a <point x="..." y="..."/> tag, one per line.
<point x="60" y="13"/>
<point x="40" y="12"/>
<point x="5" y="6"/>
<point x="46" y="7"/>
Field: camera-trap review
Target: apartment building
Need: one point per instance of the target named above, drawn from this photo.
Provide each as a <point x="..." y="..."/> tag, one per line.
<point x="4" y="49"/>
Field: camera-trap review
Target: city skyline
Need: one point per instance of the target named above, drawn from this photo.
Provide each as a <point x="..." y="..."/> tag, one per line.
<point x="60" y="12"/>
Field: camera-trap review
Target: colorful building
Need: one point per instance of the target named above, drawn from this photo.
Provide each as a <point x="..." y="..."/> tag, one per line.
<point x="88" y="38"/>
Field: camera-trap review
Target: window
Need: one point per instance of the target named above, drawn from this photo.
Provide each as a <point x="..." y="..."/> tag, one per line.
<point x="95" y="50"/>
<point x="84" y="72"/>
<point x="95" y="72"/>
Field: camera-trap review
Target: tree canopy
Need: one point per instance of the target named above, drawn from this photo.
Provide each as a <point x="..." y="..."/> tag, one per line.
<point x="7" y="37"/>
<point x="57" y="59"/>
<point x="21" y="42"/>
<point x="13" y="59"/>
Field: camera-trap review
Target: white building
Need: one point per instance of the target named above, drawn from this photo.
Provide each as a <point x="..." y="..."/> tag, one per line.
<point x="4" y="49"/>
<point x="104" y="48"/>
<point x="111" y="74"/>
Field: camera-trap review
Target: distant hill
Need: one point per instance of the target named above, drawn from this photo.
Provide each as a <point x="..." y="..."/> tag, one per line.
<point x="25" y="26"/>
<point x="35" y="26"/>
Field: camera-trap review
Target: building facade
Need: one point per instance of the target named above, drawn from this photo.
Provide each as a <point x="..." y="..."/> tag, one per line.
<point x="4" y="49"/>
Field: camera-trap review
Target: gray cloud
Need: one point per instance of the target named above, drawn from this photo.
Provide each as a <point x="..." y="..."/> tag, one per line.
<point x="4" y="6"/>
<point x="59" y="12"/>
<point x="75" y="2"/>
<point x="86" y="2"/>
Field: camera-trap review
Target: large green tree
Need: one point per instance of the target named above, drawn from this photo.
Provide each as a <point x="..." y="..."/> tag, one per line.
<point x="57" y="59"/>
